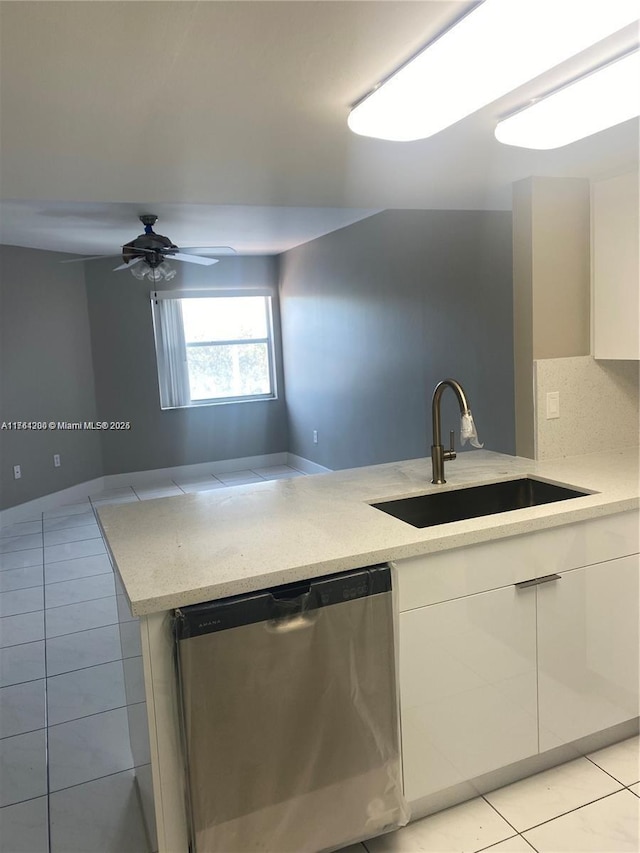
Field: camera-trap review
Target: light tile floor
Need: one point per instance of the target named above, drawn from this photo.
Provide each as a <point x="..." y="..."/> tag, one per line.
<point x="71" y="681"/>
<point x="68" y="780"/>
<point x="590" y="805"/>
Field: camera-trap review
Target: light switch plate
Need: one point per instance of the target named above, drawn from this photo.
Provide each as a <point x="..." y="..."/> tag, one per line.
<point x="553" y="405"/>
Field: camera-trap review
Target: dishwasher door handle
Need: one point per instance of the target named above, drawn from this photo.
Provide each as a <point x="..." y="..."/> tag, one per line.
<point x="536" y="581"/>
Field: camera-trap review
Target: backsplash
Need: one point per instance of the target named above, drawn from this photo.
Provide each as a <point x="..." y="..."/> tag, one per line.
<point x="598" y="406"/>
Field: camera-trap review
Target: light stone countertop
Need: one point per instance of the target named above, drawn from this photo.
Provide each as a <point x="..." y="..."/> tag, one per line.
<point x="182" y="550"/>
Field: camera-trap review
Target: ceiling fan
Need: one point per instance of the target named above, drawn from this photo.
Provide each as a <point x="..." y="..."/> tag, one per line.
<point x="150" y="252"/>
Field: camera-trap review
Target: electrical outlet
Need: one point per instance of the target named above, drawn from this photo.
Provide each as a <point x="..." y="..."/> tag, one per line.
<point x="553" y="405"/>
<point x="56" y="460"/>
<point x="17" y="472"/>
<point x="315" y="436"/>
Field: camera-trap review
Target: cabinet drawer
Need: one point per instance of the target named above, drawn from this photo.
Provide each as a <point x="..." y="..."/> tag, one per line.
<point x="464" y="571"/>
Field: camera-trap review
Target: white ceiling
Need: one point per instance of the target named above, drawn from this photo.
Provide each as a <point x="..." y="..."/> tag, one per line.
<point x="101" y="228"/>
<point x="227" y="118"/>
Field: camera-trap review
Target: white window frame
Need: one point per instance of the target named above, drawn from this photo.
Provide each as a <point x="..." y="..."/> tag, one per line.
<point x="171" y="347"/>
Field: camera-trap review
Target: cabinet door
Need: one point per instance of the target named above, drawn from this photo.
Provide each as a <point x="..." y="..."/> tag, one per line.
<point x="467" y="688"/>
<point x="615" y="273"/>
<point x="588" y="650"/>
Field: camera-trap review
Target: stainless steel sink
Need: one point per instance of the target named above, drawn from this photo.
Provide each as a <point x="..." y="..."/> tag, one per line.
<point x="458" y="504"/>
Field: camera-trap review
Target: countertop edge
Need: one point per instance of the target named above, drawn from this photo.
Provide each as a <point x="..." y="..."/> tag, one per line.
<point x="449" y="538"/>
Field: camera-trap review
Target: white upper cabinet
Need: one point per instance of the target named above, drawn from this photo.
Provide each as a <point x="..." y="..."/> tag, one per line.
<point x="615" y="272"/>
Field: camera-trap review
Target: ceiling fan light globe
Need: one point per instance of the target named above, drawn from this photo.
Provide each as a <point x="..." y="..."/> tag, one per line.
<point x="139" y="271"/>
<point x="167" y="271"/>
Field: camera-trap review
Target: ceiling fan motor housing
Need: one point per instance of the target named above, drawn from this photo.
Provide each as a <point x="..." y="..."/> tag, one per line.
<point x="152" y="248"/>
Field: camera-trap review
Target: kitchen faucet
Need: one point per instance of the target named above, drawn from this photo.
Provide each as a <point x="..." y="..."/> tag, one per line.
<point x="438" y="453"/>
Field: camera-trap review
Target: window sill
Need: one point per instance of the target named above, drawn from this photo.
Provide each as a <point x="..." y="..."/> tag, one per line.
<point x="226" y="402"/>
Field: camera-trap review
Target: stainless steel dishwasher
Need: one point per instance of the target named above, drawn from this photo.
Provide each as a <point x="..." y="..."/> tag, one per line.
<point x="289" y="712"/>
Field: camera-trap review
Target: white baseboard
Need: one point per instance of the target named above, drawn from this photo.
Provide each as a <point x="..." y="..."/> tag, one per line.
<point x="305" y="465"/>
<point x="146" y="478"/>
<point x="81" y="491"/>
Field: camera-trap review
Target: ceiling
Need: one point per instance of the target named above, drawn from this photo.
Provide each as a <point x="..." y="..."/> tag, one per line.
<point x="227" y="118"/>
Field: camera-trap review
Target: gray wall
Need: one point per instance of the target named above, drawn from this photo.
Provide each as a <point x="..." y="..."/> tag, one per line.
<point x="374" y="315"/>
<point x="127" y="380"/>
<point x="45" y="374"/>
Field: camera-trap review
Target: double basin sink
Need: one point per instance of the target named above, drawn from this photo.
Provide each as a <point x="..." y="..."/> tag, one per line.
<point x="475" y="501"/>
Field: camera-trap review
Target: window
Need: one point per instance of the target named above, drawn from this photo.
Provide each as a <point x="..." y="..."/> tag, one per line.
<point x="213" y="347"/>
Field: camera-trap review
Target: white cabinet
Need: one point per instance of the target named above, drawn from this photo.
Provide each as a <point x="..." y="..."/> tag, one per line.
<point x="588" y="642"/>
<point x="615" y="272"/>
<point x="468" y="688"/>
<point x="489" y="677"/>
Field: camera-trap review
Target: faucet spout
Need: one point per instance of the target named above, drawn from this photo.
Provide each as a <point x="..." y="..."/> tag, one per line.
<point x="438" y="453"/>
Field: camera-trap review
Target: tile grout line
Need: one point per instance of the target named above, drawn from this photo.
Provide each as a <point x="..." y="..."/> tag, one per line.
<point x="21" y="588"/>
<point x="76" y="785"/>
<point x="97" y="714"/>
<point x="46" y="702"/>
<point x="90" y="666"/>
<point x="80" y="577"/>
<point x="72" y="542"/>
<point x="70" y="633"/>
<point x="22" y="612"/>
<point x="65" y="671"/>
<point x="98" y="778"/>
<point x="19" y="550"/>
<point x="19" y="802"/>
<point x="510" y="838"/>
<point x="121" y="659"/>
<point x="42" y="728"/>
<point x="619" y="781"/>
<point x="570" y="811"/>
<point x="43" y="535"/>
<point x="72" y="580"/>
<point x="83" y="601"/>
<point x="30" y="566"/>
<point x="495" y="808"/>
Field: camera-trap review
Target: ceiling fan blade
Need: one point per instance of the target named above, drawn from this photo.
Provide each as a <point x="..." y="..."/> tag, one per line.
<point x="192" y="259"/>
<point x="135" y="249"/>
<point x="92" y="258"/>
<point x="209" y="250"/>
<point x="127" y="266"/>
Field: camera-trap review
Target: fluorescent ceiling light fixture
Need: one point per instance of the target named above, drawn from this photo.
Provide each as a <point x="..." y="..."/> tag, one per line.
<point x="497" y="47"/>
<point x="608" y="96"/>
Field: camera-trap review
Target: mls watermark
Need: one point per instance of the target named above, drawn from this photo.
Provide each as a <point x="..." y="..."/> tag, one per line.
<point x="44" y="426"/>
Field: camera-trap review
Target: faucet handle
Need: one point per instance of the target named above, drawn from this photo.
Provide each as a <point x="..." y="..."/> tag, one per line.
<point x="451" y="452"/>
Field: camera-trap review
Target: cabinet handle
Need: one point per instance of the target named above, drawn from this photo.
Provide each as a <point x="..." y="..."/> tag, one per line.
<point x="536" y="581"/>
